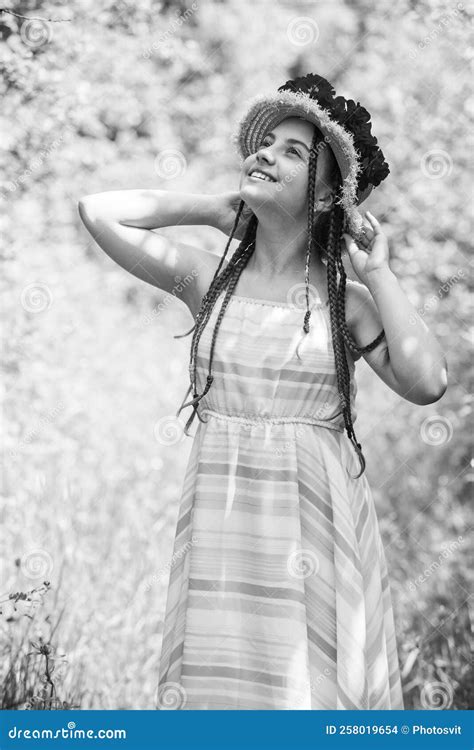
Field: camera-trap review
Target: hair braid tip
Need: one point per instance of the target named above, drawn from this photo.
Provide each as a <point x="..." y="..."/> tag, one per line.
<point x="358" y="449"/>
<point x="304" y="332"/>
<point x="184" y="399"/>
<point x="195" y="400"/>
<point x="182" y="335"/>
<point x="189" y="422"/>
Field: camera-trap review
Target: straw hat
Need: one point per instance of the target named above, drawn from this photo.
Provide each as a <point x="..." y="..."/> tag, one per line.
<point x="344" y="124"/>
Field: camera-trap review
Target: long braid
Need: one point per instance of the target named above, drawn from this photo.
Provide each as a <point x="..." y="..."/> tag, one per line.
<point x="341" y="333"/>
<point x="312" y="168"/>
<point x="345" y="330"/>
<point x="325" y="237"/>
<point x="207" y="303"/>
<point x="227" y="279"/>
<point x="336" y="303"/>
<point x="236" y="222"/>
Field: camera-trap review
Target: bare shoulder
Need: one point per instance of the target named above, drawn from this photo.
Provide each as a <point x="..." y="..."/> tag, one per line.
<point x="205" y="264"/>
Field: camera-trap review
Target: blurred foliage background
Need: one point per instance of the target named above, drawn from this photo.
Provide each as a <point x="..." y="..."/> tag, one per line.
<point x="96" y="99"/>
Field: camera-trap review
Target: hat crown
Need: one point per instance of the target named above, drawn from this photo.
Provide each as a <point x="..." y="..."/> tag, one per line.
<point x="353" y="117"/>
<point x="315" y="86"/>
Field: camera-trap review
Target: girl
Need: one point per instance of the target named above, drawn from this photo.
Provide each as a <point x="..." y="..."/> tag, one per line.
<point x="278" y="595"/>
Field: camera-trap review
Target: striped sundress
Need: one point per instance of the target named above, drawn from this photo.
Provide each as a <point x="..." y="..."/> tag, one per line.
<point x="278" y="595"/>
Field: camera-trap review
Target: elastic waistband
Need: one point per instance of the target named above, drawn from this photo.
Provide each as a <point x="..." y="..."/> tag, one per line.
<point x="273" y="420"/>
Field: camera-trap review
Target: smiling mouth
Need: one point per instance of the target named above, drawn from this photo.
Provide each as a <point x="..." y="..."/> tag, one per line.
<point x="256" y="174"/>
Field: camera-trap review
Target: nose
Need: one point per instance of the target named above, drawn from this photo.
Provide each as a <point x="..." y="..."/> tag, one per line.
<point x="264" y="153"/>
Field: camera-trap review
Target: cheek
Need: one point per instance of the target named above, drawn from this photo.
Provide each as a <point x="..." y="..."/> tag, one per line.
<point x="246" y="164"/>
<point x="293" y="192"/>
<point x="298" y="189"/>
<point x="243" y="171"/>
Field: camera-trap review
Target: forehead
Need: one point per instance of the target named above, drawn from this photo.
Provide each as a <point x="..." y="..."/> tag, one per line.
<point x="295" y="127"/>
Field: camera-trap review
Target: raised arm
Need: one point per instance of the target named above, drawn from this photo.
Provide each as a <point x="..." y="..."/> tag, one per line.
<point x="121" y="222"/>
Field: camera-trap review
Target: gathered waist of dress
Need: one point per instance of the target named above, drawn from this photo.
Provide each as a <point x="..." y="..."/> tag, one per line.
<point x="250" y="419"/>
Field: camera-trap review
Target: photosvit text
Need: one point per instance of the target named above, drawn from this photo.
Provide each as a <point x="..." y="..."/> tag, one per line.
<point x="391" y="729"/>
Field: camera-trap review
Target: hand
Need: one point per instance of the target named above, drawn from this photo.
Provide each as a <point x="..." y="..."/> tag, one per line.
<point x="228" y="204"/>
<point x="371" y="252"/>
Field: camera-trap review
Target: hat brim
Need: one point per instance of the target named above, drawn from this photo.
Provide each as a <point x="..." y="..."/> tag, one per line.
<point x="268" y="110"/>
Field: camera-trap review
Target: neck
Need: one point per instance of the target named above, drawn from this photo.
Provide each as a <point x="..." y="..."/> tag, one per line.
<point x="281" y="250"/>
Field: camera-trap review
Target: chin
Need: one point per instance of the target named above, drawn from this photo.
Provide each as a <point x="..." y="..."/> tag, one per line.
<point x="254" y="195"/>
<point x="251" y="195"/>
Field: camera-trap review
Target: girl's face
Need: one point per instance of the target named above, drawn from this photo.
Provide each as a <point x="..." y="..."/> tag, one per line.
<point x="283" y="158"/>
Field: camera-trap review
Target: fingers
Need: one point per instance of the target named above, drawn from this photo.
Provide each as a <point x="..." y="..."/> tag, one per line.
<point x="357" y="246"/>
<point x="365" y="239"/>
<point x="347" y="239"/>
<point x="350" y="243"/>
<point x="374" y="223"/>
<point x="362" y="242"/>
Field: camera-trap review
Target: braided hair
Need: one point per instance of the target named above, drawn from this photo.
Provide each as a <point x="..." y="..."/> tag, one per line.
<point x="324" y="237"/>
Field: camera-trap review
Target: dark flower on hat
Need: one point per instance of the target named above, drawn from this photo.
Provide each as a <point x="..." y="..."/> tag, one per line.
<point x="354" y="118"/>
<point x="316" y="86"/>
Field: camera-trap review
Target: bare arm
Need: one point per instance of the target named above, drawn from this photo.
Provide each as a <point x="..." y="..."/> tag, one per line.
<point x="152" y="209"/>
<point x="121" y="222"/>
<point x="409" y="359"/>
